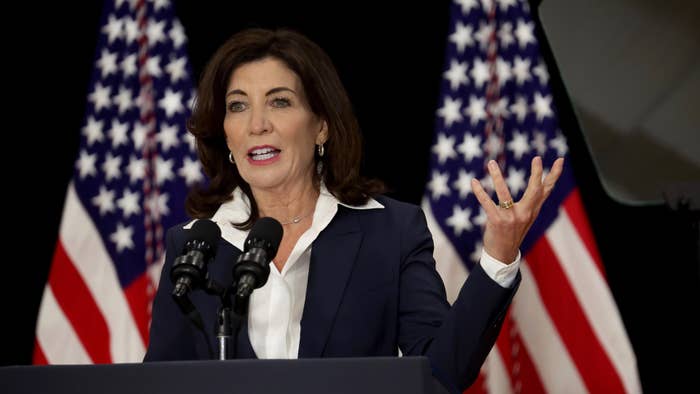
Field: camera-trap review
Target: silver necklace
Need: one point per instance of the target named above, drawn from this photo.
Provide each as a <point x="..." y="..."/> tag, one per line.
<point x="296" y="219"/>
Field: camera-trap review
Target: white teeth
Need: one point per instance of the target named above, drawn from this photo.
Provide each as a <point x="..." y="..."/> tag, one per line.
<point x="263" y="156"/>
<point x="261" y="151"/>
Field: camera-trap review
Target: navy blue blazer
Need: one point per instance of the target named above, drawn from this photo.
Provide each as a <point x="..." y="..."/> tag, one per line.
<point x="372" y="288"/>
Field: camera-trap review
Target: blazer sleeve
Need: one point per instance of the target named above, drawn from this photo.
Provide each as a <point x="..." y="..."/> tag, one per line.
<point x="170" y="336"/>
<point x="456" y="339"/>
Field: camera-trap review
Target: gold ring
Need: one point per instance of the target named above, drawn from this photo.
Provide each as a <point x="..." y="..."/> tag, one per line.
<point x="506" y="204"/>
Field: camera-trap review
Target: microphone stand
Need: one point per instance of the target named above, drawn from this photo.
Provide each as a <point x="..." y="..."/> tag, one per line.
<point x="229" y="319"/>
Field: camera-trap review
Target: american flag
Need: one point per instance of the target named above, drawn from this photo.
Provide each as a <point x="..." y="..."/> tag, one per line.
<point x="563" y="332"/>
<point x="133" y="170"/>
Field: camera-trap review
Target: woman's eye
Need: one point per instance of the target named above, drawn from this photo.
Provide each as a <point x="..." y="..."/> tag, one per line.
<point x="236" y="106"/>
<point x="280" y="102"/>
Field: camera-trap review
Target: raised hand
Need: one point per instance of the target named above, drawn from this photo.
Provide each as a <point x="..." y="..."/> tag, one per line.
<point x="508" y="222"/>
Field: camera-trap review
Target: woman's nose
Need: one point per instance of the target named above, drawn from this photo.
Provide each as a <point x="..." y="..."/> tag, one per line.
<point x="259" y="123"/>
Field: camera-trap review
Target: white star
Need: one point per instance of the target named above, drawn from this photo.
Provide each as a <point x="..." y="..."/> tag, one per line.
<point x="158" y="204"/>
<point x="438" y="184"/>
<point x="131" y="28"/>
<point x="128" y="65"/>
<point x="480" y="72"/>
<point x="176" y="69"/>
<point x="476" y="110"/>
<point x="164" y="170"/>
<point x="524" y="33"/>
<point x="503" y="71"/>
<point x="521" y="69"/>
<point x="444" y="148"/>
<point x="506" y="3"/>
<point x="518" y="144"/>
<point x="462" y="37"/>
<point x="464" y="183"/>
<point x="104" y="200"/>
<point x="539" y="142"/>
<point x="484" y="34"/>
<point x="167" y="136"/>
<point x="107" y="63"/>
<point x="541" y="106"/>
<point x="470" y="147"/>
<point x="486" y="5"/>
<point x="124" y="99"/>
<point x="177" y="34"/>
<point x="559" y="143"/>
<point x="153" y="66"/>
<point x="158" y="4"/>
<point x="494" y="145"/>
<point x="515" y="180"/>
<point x="93" y="131"/>
<point x="475" y="256"/>
<point x="155" y="33"/>
<point x="505" y="34"/>
<point x="500" y="107"/>
<point x="118" y="133"/>
<point x="139" y="135"/>
<point x="100" y="97"/>
<point x="122" y="237"/>
<point x="487" y="183"/>
<point x="519" y="108"/>
<point x="457" y="74"/>
<point x="480" y="220"/>
<point x="450" y="111"/>
<point x="113" y="29"/>
<point x="136" y="169"/>
<point x="111" y="167"/>
<point x="129" y="203"/>
<point x="459" y="221"/>
<point x="191" y="171"/>
<point x="171" y="103"/>
<point x="467" y="5"/>
<point x="191" y="141"/>
<point x="541" y="71"/>
<point x="86" y="164"/>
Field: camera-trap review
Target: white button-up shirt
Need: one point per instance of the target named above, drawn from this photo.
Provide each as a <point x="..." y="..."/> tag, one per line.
<point x="275" y="310"/>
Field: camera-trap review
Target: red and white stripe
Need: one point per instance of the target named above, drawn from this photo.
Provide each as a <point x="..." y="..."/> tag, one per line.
<point x="84" y="316"/>
<point x="564" y="332"/>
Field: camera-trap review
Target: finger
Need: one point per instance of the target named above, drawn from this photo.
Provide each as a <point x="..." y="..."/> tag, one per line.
<point x="551" y="179"/>
<point x="499" y="184"/>
<point x="484" y="199"/>
<point x="534" y="185"/>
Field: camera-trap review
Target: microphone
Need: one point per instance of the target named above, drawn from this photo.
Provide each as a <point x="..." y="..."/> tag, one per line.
<point x="253" y="265"/>
<point x="189" y="269"/>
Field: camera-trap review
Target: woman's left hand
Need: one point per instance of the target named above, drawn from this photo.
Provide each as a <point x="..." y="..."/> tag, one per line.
<point x="508" y="222"/>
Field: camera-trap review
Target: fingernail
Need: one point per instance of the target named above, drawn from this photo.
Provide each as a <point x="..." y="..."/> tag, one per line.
<point x="492" y="164"/>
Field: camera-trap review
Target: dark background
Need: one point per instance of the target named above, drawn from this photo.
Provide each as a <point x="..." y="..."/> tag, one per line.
<point x="390" y="60"/>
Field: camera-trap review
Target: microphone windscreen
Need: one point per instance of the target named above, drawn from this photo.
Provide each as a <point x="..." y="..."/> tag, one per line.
<point x="205" y="230"/>
<point x="269" y="230"/>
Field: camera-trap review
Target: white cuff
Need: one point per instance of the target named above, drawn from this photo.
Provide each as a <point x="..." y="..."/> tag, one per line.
<point x="501" y="273"/>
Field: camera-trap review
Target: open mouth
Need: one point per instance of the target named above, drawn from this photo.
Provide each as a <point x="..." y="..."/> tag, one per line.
<point x="263" y="153"/>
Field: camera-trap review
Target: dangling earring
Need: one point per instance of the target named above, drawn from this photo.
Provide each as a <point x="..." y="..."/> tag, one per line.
<point x="230" y="158"/>
<point x="321" y="150"/>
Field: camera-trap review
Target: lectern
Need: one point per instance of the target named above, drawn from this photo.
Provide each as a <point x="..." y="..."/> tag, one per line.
<point x="380" y="375"/>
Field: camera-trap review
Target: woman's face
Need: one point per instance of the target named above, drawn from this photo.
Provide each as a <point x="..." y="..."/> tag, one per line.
<point x="269" y="126"/>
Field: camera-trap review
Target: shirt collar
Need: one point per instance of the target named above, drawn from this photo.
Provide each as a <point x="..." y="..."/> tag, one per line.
<point x="237" y="210"/>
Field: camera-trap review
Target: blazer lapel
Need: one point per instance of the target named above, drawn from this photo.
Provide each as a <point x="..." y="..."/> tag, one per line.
<point x="332" y="258"/>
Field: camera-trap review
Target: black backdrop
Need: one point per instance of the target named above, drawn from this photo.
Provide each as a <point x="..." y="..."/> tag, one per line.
<point x="390" y="59"/>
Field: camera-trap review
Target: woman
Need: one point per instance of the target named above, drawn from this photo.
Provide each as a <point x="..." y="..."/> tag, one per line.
<point x="354" y="274"/>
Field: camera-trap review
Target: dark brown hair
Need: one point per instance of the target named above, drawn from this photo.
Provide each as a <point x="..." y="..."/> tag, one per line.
<point x="326" y="97"/>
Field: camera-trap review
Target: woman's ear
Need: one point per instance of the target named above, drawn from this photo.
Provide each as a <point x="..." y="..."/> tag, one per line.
<point x="323" y="134"/>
